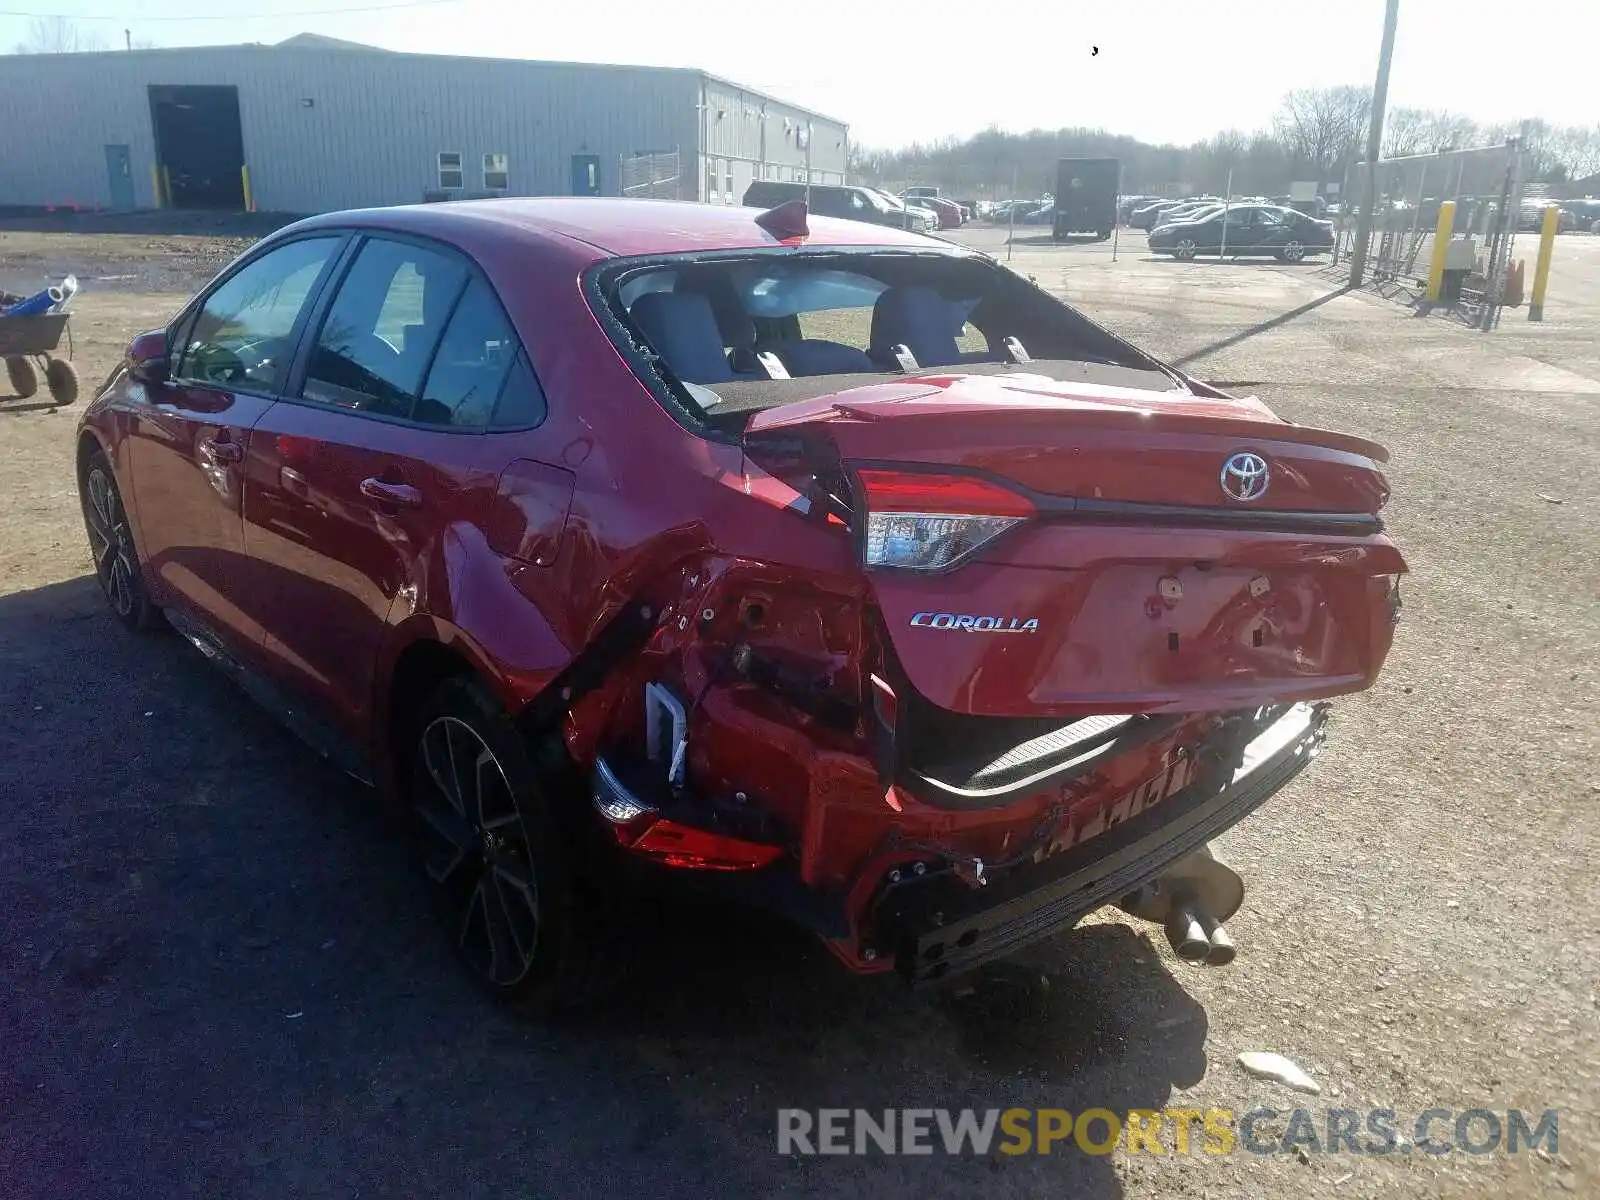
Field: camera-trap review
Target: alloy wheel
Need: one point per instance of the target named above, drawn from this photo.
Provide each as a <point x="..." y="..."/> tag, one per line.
<point x="479" y="849"/>
<point x="110" y="542"/>
<point x="1294" y="251"/>
<point x="1185" y="249"/>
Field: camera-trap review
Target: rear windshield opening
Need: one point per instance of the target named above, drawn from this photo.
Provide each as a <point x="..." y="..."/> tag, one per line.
<point x="731" y="335"/>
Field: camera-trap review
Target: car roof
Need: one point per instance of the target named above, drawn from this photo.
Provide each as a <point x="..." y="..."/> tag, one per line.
<point x="612" y="225"/>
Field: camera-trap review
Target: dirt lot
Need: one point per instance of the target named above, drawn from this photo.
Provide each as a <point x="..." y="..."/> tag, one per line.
<point x="221" y="980"/>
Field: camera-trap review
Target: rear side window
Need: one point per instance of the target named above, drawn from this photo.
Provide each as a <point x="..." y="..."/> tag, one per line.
<point x="380" y="333"/>
<point x="522" y="403"/>
<point x="472" y="363"/>
<point x="242" y="334"/>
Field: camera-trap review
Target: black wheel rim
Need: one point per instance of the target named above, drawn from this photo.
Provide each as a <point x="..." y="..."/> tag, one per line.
<point x="479" y="850"/>
<point x="109" y="541"/>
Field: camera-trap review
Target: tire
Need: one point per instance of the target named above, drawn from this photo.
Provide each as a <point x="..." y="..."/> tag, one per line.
<point x="23" y="375"/>
<point x="116" y="559"/>
<point x="62" y="379"/>
<point x="1185" y="250"/>
<point x="1292" y="252"/>
<point x="502" y="870"/>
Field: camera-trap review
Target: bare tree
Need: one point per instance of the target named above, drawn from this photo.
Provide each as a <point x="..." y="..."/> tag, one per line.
<point x="1322" y="128"/>
<point x="1578" y="148"/>
<point x="58" y="35"/>
<point x="1408" y="131"/>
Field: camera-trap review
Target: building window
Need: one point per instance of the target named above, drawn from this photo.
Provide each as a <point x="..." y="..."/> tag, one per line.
<point x="727" y="181"/>
<point x="451" y="177"/>
<point x="496" y="173"/>
<point x="711" y="181"/>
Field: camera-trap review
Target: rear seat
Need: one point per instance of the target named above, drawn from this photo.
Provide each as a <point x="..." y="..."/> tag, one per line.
<point x="705" y="337"/>
<point x="682" y="329"/>
<point x="923" y="321"/>
<point x="816" y="356"/>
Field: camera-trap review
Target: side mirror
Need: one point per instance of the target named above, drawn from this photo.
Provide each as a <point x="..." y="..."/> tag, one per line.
<point x="147" y="357"/>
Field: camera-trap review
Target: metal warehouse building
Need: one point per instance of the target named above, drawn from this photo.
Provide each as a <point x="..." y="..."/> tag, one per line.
<point x="313" y="124"/>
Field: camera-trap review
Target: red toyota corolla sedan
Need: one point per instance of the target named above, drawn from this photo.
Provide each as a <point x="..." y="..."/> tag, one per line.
<point x="836" y="569"/>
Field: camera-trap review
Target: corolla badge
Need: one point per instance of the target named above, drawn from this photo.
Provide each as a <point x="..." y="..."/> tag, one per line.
<point x="1245" y="476"/>
<point x="975" y="624"/>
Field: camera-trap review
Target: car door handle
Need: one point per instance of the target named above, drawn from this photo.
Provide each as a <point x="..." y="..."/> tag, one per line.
<point x="402" y="495"/>
<point x="217" y="453"/>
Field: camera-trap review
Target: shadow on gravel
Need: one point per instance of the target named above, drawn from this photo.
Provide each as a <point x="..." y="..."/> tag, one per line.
<point x="223" y="978"/>
<point x="1233" y="339"/>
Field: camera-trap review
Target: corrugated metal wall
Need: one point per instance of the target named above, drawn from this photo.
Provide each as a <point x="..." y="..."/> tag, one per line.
<point x="750" y="136"/>
<point x="372" y="130"/>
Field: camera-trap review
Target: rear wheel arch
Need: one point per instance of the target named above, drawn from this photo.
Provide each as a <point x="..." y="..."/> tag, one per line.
<point x="418" y="670"/>
<point x="89" y="445"/>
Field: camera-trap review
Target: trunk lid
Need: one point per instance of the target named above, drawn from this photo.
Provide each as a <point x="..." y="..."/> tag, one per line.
<point x="1156" y="569"/>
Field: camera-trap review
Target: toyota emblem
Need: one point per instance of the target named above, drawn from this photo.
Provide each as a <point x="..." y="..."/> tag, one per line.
<point x="1245" y="476"/>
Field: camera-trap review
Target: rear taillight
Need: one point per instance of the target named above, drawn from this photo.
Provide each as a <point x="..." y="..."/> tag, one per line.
<point x="921" y="521"/>
<point x="1391" y="597"/>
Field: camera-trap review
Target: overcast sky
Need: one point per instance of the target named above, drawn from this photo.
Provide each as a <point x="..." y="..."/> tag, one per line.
<point x="1167" y="70"/>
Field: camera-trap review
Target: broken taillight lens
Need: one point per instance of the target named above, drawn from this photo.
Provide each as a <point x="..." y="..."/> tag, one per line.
<point x="924" y="521"/>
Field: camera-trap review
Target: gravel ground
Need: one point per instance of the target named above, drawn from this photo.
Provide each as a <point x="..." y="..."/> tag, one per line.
<point x="221" y="980"/>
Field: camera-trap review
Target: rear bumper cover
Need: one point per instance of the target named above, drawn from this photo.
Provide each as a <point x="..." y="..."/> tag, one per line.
<point x="1035" y="902"/>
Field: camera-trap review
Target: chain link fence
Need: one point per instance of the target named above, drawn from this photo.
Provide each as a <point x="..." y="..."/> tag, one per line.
<point x="651" y="176"/>
<point x="1485" y="185"/>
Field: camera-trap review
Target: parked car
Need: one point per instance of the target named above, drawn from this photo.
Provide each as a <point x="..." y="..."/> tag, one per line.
<point x="588" y="528"/>
<point x="1530" y="218"/>
<point x="925" y="218"/>
<point x="1245" y="230"/>
<point x="1584" y="212"/>
<point x="1152" y="215"/>
<point x="946" y="212"/>
<point x="852" y="203"/>
<point x="1014" y="210"/>
<point x="1127" y="204"/>
<point x="1186" y="211"/>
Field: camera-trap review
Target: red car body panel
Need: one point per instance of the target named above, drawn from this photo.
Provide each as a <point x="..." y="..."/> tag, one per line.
<point x="325" y="546"/>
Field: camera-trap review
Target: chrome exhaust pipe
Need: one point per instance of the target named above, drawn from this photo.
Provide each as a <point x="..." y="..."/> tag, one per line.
<point x="1187" y="935"/>
<point x="1220" y="950"/>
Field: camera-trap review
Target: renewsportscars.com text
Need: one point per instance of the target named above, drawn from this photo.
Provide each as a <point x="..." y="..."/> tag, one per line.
<point x="1015" y="1131"/>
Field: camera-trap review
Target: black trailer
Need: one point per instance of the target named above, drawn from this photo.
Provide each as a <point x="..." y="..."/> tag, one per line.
<point x="1086" y="197"/>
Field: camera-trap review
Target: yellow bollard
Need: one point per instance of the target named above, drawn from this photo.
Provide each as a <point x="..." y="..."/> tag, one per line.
<point x="1541" y="272"/>
<point x="155" y="185"/>
<point x="1441" y="247"/>
<point x="249" y="196"/>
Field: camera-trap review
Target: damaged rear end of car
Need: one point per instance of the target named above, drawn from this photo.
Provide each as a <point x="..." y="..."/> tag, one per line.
<point x="979" y="637"/>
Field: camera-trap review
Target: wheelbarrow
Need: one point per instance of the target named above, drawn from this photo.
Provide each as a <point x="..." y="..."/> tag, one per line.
<point x="27" y="345"/>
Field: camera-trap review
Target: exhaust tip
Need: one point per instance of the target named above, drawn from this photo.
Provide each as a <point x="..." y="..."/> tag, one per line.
<point x="1186" y="936"/>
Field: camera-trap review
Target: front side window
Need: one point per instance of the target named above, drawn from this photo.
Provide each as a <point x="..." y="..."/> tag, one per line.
<point x="497" y="173"/>
<point x="379" y="334"/>
<point x="451" y="176"/>
<point x="243" y="333"/>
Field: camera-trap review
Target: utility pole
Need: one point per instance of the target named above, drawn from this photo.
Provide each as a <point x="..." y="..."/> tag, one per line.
<point x="127" y="36"/>
<point x="1369" y="185"/>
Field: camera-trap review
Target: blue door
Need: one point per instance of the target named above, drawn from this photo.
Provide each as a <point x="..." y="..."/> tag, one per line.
<point x="585" y="174"/>
<point x="119" y="172"/>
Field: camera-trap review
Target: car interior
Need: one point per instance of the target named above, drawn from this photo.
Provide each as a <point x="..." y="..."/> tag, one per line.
<point x="740" y="334"/>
